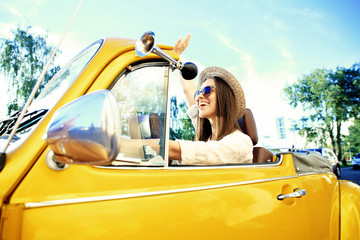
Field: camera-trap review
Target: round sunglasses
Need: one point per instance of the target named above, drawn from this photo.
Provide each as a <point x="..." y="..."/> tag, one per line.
<point x="205" y="92"/>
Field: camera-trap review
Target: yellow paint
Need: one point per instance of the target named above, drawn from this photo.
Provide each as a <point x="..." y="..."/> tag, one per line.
<point x="248" y="209"/>
<point x="11" y="221"/>
<point x="350" y="209"/>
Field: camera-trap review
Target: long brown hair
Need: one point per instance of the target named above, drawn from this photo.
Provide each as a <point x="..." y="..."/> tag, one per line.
<point x="226" y="120"/>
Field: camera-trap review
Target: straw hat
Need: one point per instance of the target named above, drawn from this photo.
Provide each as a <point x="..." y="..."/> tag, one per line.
<point x="234" y="84"/>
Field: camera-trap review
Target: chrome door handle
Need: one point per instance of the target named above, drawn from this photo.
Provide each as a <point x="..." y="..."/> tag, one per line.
<point x="296" y="194"/>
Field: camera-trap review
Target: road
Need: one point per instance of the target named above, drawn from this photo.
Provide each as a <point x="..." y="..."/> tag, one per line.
<point x="348" y="173"/>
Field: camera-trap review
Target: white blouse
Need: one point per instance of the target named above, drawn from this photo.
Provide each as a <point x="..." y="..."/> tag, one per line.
<point x="234" y="148"/>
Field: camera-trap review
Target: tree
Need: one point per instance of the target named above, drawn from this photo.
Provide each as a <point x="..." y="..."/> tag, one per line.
<point x="309" y="92"/>
<point x="347" y="91"/>
<point x="22" y="59"/>
<point x="346" y="96"/>
<point x="330" y="98"/>
<point x="354" y="137"/>
<point x="181" y="126"/>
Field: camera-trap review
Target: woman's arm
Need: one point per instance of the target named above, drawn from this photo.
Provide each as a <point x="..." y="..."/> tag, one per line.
<point x="174" y="151"/>
<point x="189" y="89"/>
<point x="188" y="86"/>
<point x="234" y="148"/>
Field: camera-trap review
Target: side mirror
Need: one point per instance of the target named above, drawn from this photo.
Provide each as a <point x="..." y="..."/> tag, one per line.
<point x="86" y="130"/>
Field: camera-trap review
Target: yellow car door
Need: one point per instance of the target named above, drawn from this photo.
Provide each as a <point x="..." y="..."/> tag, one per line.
<point x="86" y="202"/>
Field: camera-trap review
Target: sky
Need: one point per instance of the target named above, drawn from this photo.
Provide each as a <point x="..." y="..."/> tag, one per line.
<point x="266" y="44"/>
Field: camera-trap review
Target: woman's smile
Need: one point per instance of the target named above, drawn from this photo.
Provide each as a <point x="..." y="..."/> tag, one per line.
<point x="207" y="105"/>
<point x="203" y="104"/>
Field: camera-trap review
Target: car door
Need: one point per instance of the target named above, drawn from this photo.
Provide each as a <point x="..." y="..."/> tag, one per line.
<point x="137" y="197"/>
<point x="322" y="204"/>
<point x="125" y="202"/>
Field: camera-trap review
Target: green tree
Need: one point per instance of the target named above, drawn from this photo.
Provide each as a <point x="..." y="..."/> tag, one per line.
<point x="181" y="126"/>
<point x="353" y="138"/>
<point x="22" y="59"/>
<point x="330" y="98"/>
<point x="346" y="98"/>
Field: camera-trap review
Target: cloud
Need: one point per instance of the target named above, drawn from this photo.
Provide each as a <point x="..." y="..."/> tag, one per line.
<point x="286" y="54"/>
<point x="306" y="12"/>
<point x="22" y="9"/>
<point x="245" y="58"/>
<point x="15" y="12"/>
<point x="5" y="29"/>
<point x="280" y="25"/>
<point x="311" y="14"/>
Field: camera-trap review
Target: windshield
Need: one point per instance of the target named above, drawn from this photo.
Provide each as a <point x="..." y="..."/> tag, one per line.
<point x="49" y="96"/>
<point x="59" y="84"/>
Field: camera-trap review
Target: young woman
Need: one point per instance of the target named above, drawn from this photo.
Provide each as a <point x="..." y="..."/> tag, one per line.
<point x="214" y="110"/>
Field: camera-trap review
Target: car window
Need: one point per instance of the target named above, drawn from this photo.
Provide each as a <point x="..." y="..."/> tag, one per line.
<point x="141" y="99"/>
<point x="331" y="154"/>
<point x="180" y="123"/>
<point x="325" y="153"/>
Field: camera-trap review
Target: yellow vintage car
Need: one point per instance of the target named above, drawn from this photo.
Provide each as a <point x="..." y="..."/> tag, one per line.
<point x="82" y="164"/>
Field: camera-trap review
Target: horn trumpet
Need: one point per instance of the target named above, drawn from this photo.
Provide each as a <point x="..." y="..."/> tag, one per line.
<point x="146" y="44"/>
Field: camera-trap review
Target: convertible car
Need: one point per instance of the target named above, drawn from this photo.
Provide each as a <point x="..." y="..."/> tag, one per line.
<point x="90" y="161"/>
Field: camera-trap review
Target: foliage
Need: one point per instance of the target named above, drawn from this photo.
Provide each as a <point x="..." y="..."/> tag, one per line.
<point x="181" y="126"/>
<point x="309" y="92"/>
<point x="347" y="91"/>
<point x="354" y="137"/>
<point x="22" y="59"/>
<point x="330" y="98"/>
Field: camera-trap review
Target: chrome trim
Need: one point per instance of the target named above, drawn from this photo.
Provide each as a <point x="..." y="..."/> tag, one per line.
<point x="314" y="173"/>
<point x="308" y="173"/>
<point x="298" y="193"/>
<point x="167" y="119"/>
<point x="199" y="167"/>
<point x="179" y="167"/>
<point x="147" y="194"/>
<point x="52" y="164"/>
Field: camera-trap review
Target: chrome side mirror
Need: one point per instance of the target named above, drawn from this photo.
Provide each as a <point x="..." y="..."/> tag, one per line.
<point x="146" y="44"/>
<point x="86" y="130"/>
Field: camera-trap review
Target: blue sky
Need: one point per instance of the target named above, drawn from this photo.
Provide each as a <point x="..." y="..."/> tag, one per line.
<point x="265" y="44"/>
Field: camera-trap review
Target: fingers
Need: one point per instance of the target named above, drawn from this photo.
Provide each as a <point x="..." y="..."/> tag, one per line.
<point x="185" y="42"/>
<point x="177" y="46"/>
<point x="179" y="41"/>
<point x="187" y="39"/>
<point x="182" y="44"/>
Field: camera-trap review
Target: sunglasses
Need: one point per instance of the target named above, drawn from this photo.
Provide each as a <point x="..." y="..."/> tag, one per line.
<point x="206" y="91"/>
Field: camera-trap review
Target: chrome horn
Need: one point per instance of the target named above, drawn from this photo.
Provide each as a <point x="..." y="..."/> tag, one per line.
<point x="146" y="44"/>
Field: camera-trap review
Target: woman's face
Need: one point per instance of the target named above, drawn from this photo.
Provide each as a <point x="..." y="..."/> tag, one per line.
<point x="207" y="105"/>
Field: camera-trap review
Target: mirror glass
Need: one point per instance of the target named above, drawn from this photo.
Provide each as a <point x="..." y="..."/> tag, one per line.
<point x="86" y="130"/>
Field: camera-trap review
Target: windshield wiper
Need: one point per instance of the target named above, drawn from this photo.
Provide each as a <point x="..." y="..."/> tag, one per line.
<point x="29" y="120"/>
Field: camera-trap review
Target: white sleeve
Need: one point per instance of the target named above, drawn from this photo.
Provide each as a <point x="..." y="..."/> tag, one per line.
<point x="233" y="148"/>
<point x="193" y="113"/>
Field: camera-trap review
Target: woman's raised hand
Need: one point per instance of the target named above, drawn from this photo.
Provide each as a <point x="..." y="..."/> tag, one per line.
<point x="182" y="44"/>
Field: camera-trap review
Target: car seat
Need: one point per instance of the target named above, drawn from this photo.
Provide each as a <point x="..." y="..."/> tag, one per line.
<point x="248" y="126"/>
